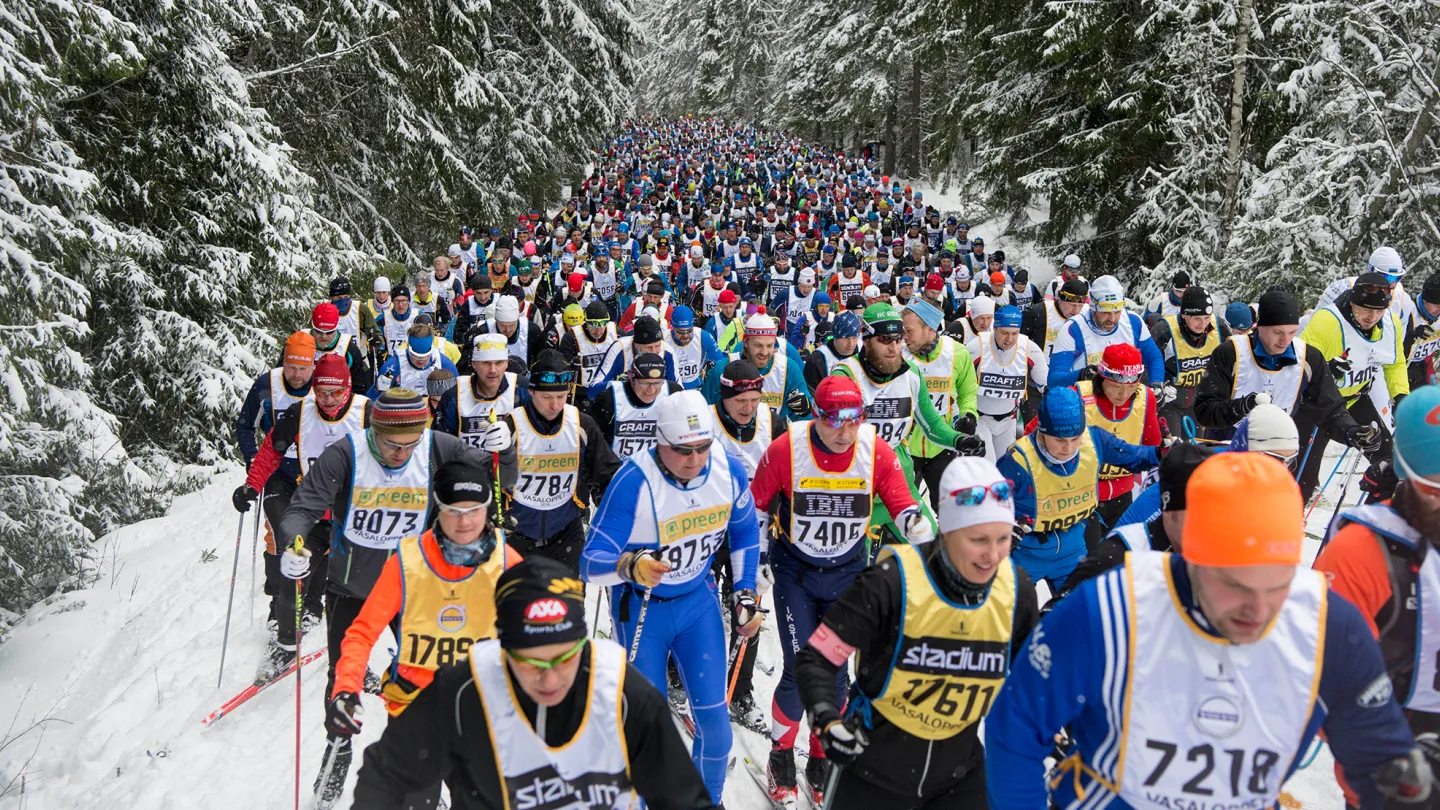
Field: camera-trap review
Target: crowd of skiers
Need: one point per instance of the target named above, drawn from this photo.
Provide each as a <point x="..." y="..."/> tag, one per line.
<point x="736" y="369"/>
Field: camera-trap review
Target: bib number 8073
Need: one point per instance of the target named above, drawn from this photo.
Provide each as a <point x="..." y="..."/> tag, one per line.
<point x="384" y="522"/>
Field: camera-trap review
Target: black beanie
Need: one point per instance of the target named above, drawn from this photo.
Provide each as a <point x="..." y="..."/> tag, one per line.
<point x="738" y="371"/>
<point x="597" y="311"/>
<point x="1431" y="291"/>
<point x="1278" y="308"/>
<point x="539" y="602"/>
<point x="1175" y="470"/>
<point x="647" y="331"/>
<point x="548" y="371"/>
<point x="1195" y="301"/>
<point x="463" y="480"/>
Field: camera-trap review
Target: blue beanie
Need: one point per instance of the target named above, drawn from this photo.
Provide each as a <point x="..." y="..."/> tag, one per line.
<point x="1062" y="413"/>
<point x="927" y="312"/>
<point x="821" y="298"/>
<point x="1007" y="317"/>
<point x="421" y="345"/>
<point x="847" y="325"/>
<point x="1417" y="434"/>
<point x="1239" y="316"/>
<point x="682" y="317"/>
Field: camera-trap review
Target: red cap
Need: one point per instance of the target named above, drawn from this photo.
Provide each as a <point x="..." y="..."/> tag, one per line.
<point x="997" y="277"/>
<point x="332" y="370"/>
<point x="934" y="282"/>
<point x="728" y="297"/>
<point x="325" y="317"/>
<point x="907" y="189"/>
<point x="837" y="392"/>
<point x="1123" y="359"/>
<point x="575" y="281"/>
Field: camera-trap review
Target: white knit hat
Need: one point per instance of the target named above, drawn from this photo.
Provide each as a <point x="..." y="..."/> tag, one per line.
<point x="490" y="346"/>
<point x="683" y="418"/>
<point x="507" y="309"/>
<point x="981" y="305"/>
<point x="1269" y="429"/>
<point x="965" y="472"/>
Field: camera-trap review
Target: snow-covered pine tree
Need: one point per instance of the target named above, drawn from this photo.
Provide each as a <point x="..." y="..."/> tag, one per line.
<point x="709" y="58"/>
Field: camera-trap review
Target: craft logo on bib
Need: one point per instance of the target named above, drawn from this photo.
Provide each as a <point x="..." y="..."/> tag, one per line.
<point x="388" y="497"/>
<point x="546" y="611"/>
<point x="1218" y="716"/>
<point x="549" y="464"/>
<point x="831" y="483"/>
<point x="697" y="522"/>
<point x="451" y="618"/>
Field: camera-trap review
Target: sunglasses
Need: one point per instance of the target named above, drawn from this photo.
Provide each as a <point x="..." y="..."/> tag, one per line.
<point x="1374" y="289"/>
<point x="1110" y="306"/>
<point x="887" y="340"/>
<point x="597" y="324"/>
<point x="459" y="511"/>
<point x="398" y="447"/>
<point x="743" y="386"/>
<point x="323" y="333"/>
<point x="1288" y="459"/>
<point x="974" y="496"/>
<point x="841" y="417"/>
<point x="690" y="450"/>
<point x="553" y="377"/>
<point x="553" y="662"/>
<point x="1124" y="379"/>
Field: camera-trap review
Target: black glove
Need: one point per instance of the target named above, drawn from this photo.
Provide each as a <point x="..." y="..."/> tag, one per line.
<point x="1247" y="403"/>
<point x="1424" y="333"/>
<point x="1365" y="438"/>
<point x="1405" y="781"/>
<point x="1086" y="373"/>
<point x="966" y="423"/>
<point x="243" y="497"/>
<point x="1339" y="367"/>
<point x="843" y="740"/>
<point x="798" y="403"/>
<point x="342" y="715"/>
<point x="1380" y="481"/>
<point x="1018" y="533"/>
<point x="970" y="445"/>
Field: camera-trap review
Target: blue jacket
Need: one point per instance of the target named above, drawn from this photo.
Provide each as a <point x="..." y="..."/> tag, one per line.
<point x="1061" y="679"/>
<point x="1108" y="449"/>
<point x="1063" y="376"/>
<point x="626" y="498"/>
<point x="794" y="381"/>
<point x="258" y="414"/>
<point x="709" y="353"/>
<point x="390" y="370"/>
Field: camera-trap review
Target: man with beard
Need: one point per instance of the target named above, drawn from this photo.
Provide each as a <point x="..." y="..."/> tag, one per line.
<point x="1384" y="556"/>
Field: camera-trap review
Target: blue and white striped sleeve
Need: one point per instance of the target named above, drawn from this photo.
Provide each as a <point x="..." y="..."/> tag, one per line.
<point x="610" y="530"/>
<point x="744" y="529"/>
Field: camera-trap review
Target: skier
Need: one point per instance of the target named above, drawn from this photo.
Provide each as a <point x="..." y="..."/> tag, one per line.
<point x="489" y="387"/>
<point x="843" y="341"/>
<point x="331" y="339"/>
<point x="797" y="300"/>
<point x="1008" y="365"/>
<point x="415" y="358"/>
<point x="1084" y="337"/>
<point x="805" y="333"/>
<point x="375" y="484"/>
<point x="1384" y="261"/>
<point x="587" y="346"/>
<point x="1240" y="317"/>
<point x="274" y="391"/>
<point x="626" y="410"/>
<point x="1363" y="345"/>
<point x="1168" y="303"/>
<point x="648" y="338"/>
<point x="355" y="320"/>
<point x="784" y="381"/>
<point x="378" y="305"/>
<point x="1186" y="340"/>
<point x="1421" y="324"/>
<point x="1382" y="558"/>
<point x="328" y="413"/>
<point x="518" y="723"/>
<point x="556" y="463"/>
<point x="746" y="427"/>
<point x="668" y="510"/>
<point x="438" y="591"/>
<point x="1069" y="269"/>
<point x="524" y="340"/>
<point x="1117" y="403"/>
<point x="909" y="708"/>
<point x="1227" y="654"/>
<point x="897" y="402"/>
<point x="1274" y="361"/>
<point x="395" y="322"/>
<point x="1023" y="293"/>
<point x="949" y="376"/>
<point x="1044" y="319"/>
<point x="828" y="474"/>
<point x="692" y="352"/>
<point x="1056" y="473"/>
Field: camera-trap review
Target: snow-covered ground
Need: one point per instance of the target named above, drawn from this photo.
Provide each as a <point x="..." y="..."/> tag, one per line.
<point x="104" y="689"/>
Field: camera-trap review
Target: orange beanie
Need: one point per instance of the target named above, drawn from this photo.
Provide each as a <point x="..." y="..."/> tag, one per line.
<point x="300" y="349"/>
<point x="1242" y="509"/>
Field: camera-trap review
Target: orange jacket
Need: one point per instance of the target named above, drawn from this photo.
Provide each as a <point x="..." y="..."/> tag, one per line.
<point x="381" y="608"/>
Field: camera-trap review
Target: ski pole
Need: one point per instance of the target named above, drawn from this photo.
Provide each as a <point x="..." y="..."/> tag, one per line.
<point x="1344" y="490"/>
<point x="234" y="572"/>
<point x="640" y="624"/>
<point x="499" y="512"/>
<point x="830" y="784"/>
<point x="1305" y="459"/>
<point x="735" y="674"/>
<point x="299" y="585"/>
<point x="1315" y="498"/>
<point x="255" y="551"/>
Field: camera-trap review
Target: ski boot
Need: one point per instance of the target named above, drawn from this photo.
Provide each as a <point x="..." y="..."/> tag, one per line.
<point x="782" y="791"/>
<point x="278" y="658"/>
<point x="744" y="711"/>
<point x="817" y="774"/>
<point x="331" y="781"/>
<point x="309" y="621"/>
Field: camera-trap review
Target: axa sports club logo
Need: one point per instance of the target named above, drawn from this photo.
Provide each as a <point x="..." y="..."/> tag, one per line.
<point x="546" y="611"/>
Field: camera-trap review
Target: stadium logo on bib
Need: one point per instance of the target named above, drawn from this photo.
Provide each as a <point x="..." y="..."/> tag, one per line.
<point x="451" y="618"/>
<point x="1218" y="716"/>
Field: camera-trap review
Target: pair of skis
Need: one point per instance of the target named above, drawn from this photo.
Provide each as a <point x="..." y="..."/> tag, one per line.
<point x="259" y="686"/>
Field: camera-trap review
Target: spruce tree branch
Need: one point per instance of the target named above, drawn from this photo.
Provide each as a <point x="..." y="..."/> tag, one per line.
<point x="311" y="62"/>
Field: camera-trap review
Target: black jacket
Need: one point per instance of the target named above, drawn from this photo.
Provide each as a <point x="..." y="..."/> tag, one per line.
<point x="443" y="735"/>
<point x="1320" y="401"/>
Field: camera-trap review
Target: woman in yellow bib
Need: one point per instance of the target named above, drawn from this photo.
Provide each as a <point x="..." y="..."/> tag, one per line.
<point x="935" y="628"/>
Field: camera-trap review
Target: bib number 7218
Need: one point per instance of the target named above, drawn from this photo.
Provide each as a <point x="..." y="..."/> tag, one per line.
<point x="1261" y="763"/>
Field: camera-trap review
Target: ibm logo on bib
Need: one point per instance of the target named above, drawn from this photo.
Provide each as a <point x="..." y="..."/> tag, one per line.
<point x="451" y="618"/>
<point x="1219" y="716"/>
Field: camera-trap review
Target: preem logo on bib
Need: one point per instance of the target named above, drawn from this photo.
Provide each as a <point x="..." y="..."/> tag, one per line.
<point x="451" y="618"/>
<point x="1219" y="716"/>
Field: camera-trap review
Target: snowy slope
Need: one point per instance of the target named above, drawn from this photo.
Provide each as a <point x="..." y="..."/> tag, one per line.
<point x="126" y="669"/>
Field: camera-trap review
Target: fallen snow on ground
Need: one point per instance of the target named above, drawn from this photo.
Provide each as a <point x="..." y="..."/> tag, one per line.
<point x="104" y="689"/>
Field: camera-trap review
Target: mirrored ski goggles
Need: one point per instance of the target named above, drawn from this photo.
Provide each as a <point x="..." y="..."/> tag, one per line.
<point x="553" y="662"/>
<point x="742" y="386"/>
<point x="552" y="377"/>
<point x="598" y="324"/>
<point x="841" y="417"/>
<point x="974" y="496"/>
<point x="1393" y="278"/>
<point x="1122" y="375"/>
<point x="1110" y="306"/>
<point x="1374" y="289"/>
<point x="691" y="449"/>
